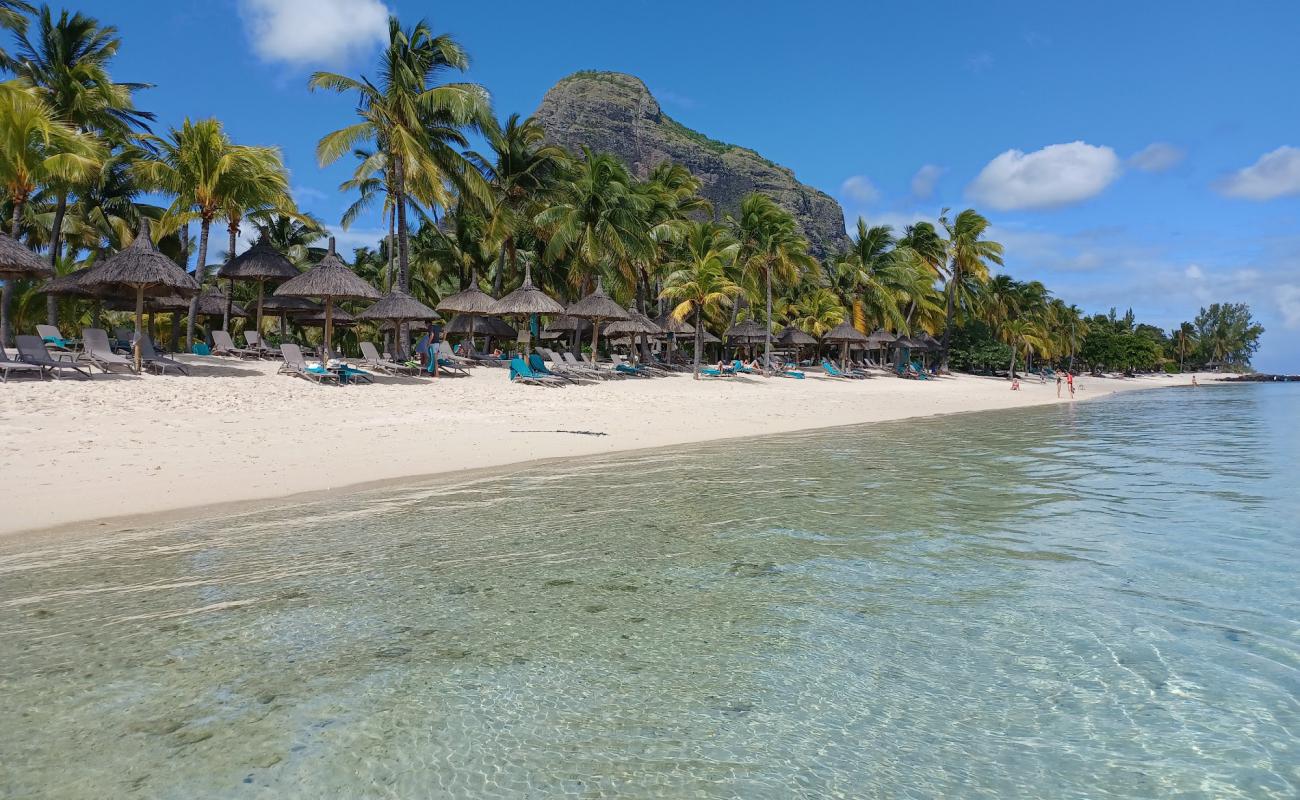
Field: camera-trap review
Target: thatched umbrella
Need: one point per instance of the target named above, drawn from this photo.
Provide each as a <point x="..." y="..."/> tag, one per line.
<point x="845" y="334"/>
<point x="747" y="332"/>
<point x="215" y="303"/>
<point x="289" y="306"/>
<point x="635" y="325"/>
<point x="338" y="318"/>
<point x="471" y="325"/>
<point x="397" y="307"/>
<point x="141" y="267"/>
<point x="18" y="263"/>
<point x="70" y="285"/>
<point x="597" y="307"/>
<point x="792" y="336"/>
<point x="671" y="328"/>
<point x="329" y="280"/>
<point x="471" y="302"/>
<point x="524" y="302"/>
<point x="560" y="326"/>
<point x="260" y="263"/>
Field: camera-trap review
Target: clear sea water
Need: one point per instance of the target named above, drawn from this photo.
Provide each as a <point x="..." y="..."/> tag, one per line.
<point x="1091" y="601"/>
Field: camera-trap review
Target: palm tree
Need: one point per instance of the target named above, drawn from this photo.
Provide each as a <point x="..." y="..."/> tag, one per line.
<point x="1185" y="342"/>
<point x="1020" y="334"/>
<point x="295" y="236"/>
<point x="522" y="170"/>
<point x="203" y="170"/>
<point x="817" y="313"/>
<point x="874" y="278"/>
<point x="13" y="17"/>
<point x="699" y="280"/>
<point x="413" y="124"/>
<point x="35" y="150"/>
<point x="771" y="246"/>
<point x="67" y="62"/>
<point x="260" y="187"/>
<point x="598" y="219"/>
<point x="969" y="256"/>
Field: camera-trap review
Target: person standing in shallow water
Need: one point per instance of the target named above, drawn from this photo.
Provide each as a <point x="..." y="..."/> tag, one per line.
<point x="1194" y="383"/>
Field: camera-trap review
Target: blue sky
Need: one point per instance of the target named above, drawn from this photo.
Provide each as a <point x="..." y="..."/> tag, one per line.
<point x="1141" y="154"/>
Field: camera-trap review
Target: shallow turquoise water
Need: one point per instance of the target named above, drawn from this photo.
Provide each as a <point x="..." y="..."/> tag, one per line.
<point x="1090" y="601"/>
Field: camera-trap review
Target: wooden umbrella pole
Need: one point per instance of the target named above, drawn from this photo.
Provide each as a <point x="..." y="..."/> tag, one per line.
<point x="261" y="290"/>
<point x="595" y="339"/>
<point x="329" y="328"/>
<point x="139" y="321"/>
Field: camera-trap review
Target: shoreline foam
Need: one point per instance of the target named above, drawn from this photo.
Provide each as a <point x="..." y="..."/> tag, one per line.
<point x="119" y="451"/>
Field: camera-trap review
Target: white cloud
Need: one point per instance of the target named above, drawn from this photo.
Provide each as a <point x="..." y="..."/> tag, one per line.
<point x="860" y="189"/>
<point x="1194" y="272"/>
<point x="308" y="193"/>
<point x="1288" y="303"/>
<point x="1157" y="157"/>
<point x="1275" y="174"/>
<point x="302" y="32"/>
<point x="1057" y="175"/>
<point x="923" y="182"/>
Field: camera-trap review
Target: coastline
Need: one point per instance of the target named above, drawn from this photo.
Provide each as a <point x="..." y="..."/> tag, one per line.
<point x="86" y="457"/>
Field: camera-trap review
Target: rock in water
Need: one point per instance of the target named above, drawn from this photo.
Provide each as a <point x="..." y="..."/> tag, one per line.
<point x="615" y="113"/>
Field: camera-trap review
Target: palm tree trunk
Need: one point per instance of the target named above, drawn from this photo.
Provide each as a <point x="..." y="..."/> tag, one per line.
<point x="767" y="330"/>
<point x="1011" y="370"/>
<point x="403" y="248"/>
<point x="139" y="316"/>
<point x="698" y="340"/>
<point x="7" y="294"/>
<point x="56" y="250"/>
<point x="947" y="325"/>
<point x="499" y="278"/>
<point x="198" y="277"/>
<point x="233" y="230"/>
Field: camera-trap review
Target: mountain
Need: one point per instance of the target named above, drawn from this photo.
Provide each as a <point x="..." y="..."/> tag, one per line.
<point x="615" y="113"/>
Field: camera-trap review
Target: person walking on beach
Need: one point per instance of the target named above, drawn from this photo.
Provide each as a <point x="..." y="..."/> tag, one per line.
<point x="1069" y="379"/>
<point x="1059" y="381"/>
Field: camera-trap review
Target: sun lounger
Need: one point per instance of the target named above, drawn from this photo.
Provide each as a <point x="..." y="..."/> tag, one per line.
<point x="370" y="358"/>
<point x="295" y="364"/>
<point x="445" y="352"/>
<point x="7" y="366"/>
<point x="835" y="372"/>
<point x="574" y="370"/>
<point x="31" y="349"/>
<point x="714" y="372"/>
<point x="223" y="345"/>
<point x="53" y="337"/>
<point x="538" y="365"/>
<point x="150" y="358"/>
<point x="97" y="351"/>
<point x="520" y="372"/>
<point x="921" y="374"/>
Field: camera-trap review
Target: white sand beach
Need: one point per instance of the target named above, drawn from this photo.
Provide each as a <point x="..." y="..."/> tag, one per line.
<point x="80" y="453"/>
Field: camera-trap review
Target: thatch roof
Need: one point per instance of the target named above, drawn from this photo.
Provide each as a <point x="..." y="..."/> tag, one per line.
<point x="566" y="324"/>
<point x="845" y="332"/>
<point x="70" y="284"/>
<point x="636" y="323"/>
<point x="19" y="263"/>
<point x="708" y="338"/>
<point x="467" y="324"/>
<point x="141" y="266"/>
<point x="468" y="301"/>
<point x="259" y="262"/>
<point x="793" y="337"/>
<point x="292" y="306"/>
<point x="907" y="342"/>
<point x="597" y="306"/>
<point x="398" y="305"/>
<point x="525" y="300"/>
<point x="212" y="303"/>
<point x="338" y="317"/>
<point x="330" y="278"/>
<point x="670" y="324"/>
<point x="880" y="336"/>
<point x="749" y="330"/>
<point x="929" y="341"/>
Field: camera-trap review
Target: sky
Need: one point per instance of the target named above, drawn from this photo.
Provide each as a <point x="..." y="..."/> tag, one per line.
<point x="1142" y="155"/>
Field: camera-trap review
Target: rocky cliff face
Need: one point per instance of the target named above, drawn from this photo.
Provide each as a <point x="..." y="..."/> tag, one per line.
<point x="616" y="113"/>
